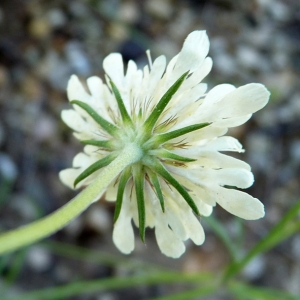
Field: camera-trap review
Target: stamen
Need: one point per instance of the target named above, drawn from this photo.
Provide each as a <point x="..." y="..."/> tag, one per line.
<point x="149" y="58"/>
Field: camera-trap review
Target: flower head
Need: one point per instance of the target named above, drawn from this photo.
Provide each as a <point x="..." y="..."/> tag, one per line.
<point x="180" y="129"/>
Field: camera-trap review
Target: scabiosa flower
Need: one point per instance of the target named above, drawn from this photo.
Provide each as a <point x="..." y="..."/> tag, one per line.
<point x="165" y="111"/>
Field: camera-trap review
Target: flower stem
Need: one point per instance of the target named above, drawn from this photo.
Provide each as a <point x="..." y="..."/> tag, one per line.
<point x="17" y="238"/>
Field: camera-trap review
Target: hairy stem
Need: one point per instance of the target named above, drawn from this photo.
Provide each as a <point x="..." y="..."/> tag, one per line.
<point x="17" y="238"/>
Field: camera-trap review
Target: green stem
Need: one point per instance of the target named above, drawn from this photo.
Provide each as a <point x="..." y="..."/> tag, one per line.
<point x="195" y="293"/>
<point x="87" y="287"/>
<point x="102" y="258"/>
<point x="281" y="231"/>
<point x="48" y="225"/>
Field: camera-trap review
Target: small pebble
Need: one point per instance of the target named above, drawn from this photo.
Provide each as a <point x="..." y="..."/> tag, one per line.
<point x="99" y="219"/>
<point x="8" y="168"/>
<point x="255" y="268"/>
<point x="39" y="259"/>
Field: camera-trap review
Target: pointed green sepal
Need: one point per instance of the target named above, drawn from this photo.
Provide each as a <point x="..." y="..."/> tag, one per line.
<point x="168" y="155"/>
<point x="107" y="126"/>
<point x="164" y="137"/>
<point x="121" y="188"/>
<point x="95" y="167"/>
<point x="163" y="102"/>
<point x="140" y="115"/>
<point x="138" y="177"/>
<point x="100" y="144"/>
<point x="154" y="180"/>
<point x="124" y="114"/>
<point x="157" y="167"/>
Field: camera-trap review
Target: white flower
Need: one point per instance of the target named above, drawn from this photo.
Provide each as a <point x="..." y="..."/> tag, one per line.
<point x="166" y="111"/>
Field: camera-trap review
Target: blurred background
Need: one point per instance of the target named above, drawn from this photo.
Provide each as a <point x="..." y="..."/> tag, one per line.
<point x="43" y="42"/>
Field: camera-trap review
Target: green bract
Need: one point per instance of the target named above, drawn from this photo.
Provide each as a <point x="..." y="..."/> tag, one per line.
<point x="153" y="148"/>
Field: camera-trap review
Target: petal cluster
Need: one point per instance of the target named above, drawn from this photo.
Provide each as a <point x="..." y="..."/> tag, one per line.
<point x="181" y="129"/>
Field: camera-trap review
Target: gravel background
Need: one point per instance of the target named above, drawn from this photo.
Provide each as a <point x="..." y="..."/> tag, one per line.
<point x="43" y="42"/>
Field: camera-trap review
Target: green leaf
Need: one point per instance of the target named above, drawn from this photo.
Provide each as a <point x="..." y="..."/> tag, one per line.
<point x="96" y="166"/>
<point x="164" y="137"/>
<point x="101" y="144"/>
<point x="163" y="102"/>
<point x="138" y="177"/>
<point x="73" y="289"/>
<point x="247" y="292"/>
<point x="107" y="126"/>
<point x="165" y="154"/>
<point x="281" y="231"/>
<point x="102" y="258"/>
<point x="157" y="167"/>
<point x="154" y="180"/>
<point x="124" y="114"/>
<point x="14" y="267"/>
<point x="219" y="229"/>
<point x="121" y="188"/>
<point x="195" y="293"/>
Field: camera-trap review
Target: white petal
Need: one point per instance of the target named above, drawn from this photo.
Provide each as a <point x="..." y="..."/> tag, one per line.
<point x="150" y="202"/>
<point x="95" y="85"/>
<point x="79" y="120"/>
<point x="113" y="67"/>
<point x="224" y="143"/>
<point x="193" y="53"/>
<point x="94" y="152"/>
<point x="190" y="223"/>
<point x="203" y="70"/>
<point x="190" y="181"/>
<point x="123" y="235"/>
<point x="81" y="160"/>
<point x="240" y="178"/>
<point x="76" y="91"/>
<point x="73" y="120"/>
<point x="101" y="96"/>
<point x="173" y="218"/>
<point x="240" y="204"/>
<point x="199" y="74"/>
<point x="92" y="132"/>
<point x="232" y="122"/>
<point x="132" y="78"/>
<point x="205" y="193"/>
<point x="183" y="107"/>
<point x="68" y="177"/>
<point x="206" y="133"/>
<point x="156" y="73"/>
<point x="216" y="160"/>
<point x="204" y="209"/>
<point x="184" y="223"/>
<point x="217" y="93"/>
<point x="189" y="96"/>
<point x="171" y="66"/>
<point x="130" y="193"/>
<point x="81" y="136"/>
<point x="150" y="219"/>
<point x="244" y="100"/>
<point x="91" y="150"/>
<point x="131" y="70"/>
<point x="168" y="242"/>
<point x="193" y="227"/>
<point x="110" y="105"/>
<point x="111" y="192"/>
